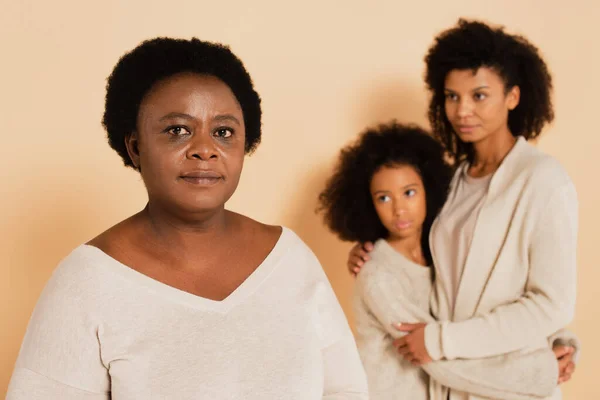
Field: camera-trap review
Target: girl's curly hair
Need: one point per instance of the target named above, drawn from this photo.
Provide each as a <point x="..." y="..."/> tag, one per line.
<point x="346" y="200"/>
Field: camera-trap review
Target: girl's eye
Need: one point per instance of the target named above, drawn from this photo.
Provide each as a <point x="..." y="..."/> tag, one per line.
<point x="178" y="130"/>
<point x="224" y="133"/>
<point x="410" y="192"/>
<point x="451" y="97"/>
<point x="383" y="198"/>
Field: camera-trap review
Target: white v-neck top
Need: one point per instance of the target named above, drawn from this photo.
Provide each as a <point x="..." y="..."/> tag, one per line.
<point x="102" y="330"/>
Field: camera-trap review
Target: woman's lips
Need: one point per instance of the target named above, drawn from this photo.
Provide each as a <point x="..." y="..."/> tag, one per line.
<point x="202" y="178"/>
<point x="466" y="128"/>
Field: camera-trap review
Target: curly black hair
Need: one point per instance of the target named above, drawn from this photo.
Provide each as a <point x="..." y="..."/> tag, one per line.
<point x="346" y="200"/>
<point x="474" y="44"/>
<point x="157" y="59"/>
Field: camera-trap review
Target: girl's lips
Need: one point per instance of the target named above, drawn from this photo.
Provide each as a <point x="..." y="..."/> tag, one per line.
<point x="403" y="224"/>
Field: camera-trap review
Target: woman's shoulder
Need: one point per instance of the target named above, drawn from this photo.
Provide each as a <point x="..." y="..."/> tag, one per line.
<point x="258" y="235"/>
<point x="262" y="233"/>
<point x="79" y="278"/>
<point x="116" y="234"/>
<point x="82" y="262"/>
<point x="544" y="168"/>
<point x="270" y="235"/>
<point x="533" y="171"/>
<point x="279" y="238"/>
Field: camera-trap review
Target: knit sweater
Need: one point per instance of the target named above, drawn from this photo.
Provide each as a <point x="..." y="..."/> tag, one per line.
<point x="391" y="289"/>
<point x="102" y="330"/>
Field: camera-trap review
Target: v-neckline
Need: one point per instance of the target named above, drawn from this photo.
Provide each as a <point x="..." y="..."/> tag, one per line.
<point x="243" y="291"/>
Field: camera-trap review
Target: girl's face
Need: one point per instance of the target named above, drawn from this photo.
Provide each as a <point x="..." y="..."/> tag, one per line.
<point x="477" y="104"/>
<point x="399" y="198"/>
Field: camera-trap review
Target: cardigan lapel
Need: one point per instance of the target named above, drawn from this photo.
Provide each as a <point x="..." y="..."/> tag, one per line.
<point x="488" y="236"/>
<point x="491" y="229"/>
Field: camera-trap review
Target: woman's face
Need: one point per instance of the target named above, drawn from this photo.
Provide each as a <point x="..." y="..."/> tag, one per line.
<point x="189" y="143"/>
<point x="477" y="103"/>
<point x="399" y="198"/>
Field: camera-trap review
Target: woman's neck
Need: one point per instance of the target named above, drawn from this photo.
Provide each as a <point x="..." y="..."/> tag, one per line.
<point x="490" y="152"/>
<point x="185" y="235"/>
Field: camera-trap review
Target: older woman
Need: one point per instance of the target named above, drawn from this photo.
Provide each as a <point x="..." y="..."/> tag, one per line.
<point x="185" y="299"/>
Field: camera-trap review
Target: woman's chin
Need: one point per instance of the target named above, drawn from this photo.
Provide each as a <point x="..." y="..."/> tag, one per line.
<point x="467" y="137"/>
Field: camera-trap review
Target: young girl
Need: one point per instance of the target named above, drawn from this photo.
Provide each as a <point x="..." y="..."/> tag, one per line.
<point x="388" y="188"/>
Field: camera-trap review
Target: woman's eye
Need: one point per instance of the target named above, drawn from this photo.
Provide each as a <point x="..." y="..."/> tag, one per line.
<point x="451" y="97"/>
<point x="383" y="199"/>
<point x="178" y="130"/>
<point x="224" y="132"/>
<point x="410" y="192"/>
<point x="480" y="96"/>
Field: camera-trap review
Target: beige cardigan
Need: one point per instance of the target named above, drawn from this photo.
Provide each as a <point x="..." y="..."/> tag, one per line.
<point x="519" y="279"/>
<point x="391" y="289"/>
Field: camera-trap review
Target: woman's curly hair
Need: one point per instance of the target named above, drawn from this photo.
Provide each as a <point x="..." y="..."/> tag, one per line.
<point x="472" y="45"/>
<point x="346" y="202"/>
<point x="157" y="59"/>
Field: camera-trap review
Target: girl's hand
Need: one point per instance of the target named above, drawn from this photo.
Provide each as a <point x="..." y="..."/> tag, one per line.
<point x="566" y="366"/>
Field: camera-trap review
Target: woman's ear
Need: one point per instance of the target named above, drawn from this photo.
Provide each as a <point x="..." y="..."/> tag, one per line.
<point x="132" y="144"/>
<point x="513" y="97"/>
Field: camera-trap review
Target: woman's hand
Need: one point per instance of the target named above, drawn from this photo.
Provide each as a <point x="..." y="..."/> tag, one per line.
<point x="412" y="346"/>
<point x="358" y="256"/>
<point x="566" y="366"/>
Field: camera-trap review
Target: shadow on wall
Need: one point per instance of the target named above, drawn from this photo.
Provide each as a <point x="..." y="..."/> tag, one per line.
<point x="380" y="102"/>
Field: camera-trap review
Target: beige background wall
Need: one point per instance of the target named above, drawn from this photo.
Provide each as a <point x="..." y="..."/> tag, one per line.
<point x="325" y="70"/>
